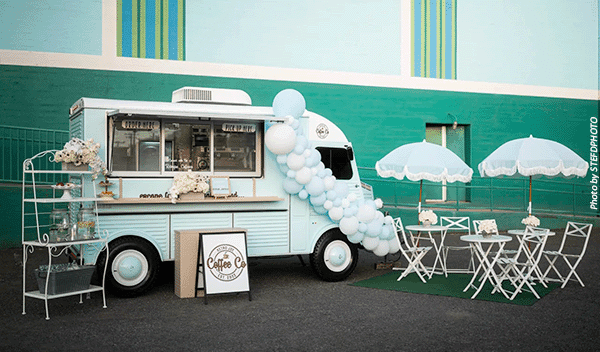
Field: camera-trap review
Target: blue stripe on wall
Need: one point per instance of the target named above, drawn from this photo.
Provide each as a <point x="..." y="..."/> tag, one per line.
<point x="416" y="47"/>
<point x="127" y="28"/>
<point x="432" y="34"/>
<point x="448" y="39"/>
<point x="173" y="30"/>
<point x="150" y="29"/>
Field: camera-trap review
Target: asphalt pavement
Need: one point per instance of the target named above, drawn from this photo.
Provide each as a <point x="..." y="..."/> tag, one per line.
<point x="292" y="310"/>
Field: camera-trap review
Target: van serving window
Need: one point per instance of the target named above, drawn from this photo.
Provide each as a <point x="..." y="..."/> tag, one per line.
<point x="338" y="160"/>
<point x="156" y="147"/>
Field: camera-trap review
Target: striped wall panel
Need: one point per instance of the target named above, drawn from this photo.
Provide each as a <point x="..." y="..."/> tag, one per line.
<point x="433" y="38"/>
<point x="151" y="29"/>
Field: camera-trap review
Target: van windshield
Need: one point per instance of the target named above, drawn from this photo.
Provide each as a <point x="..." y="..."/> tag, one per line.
<point x="338" y="160"/>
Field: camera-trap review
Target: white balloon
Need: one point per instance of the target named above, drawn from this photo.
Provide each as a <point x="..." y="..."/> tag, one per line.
<point x="382" y="249"/>
<point x="394" y="246"/>
<point x="280" y="139"/>
<point x="303" y="176"/>
<point x="336" y="213"/>
<point x="349" y="226"/>
<point x="295" y="161"/>
<point x="388" y="220"/>
<point x="366" y="213"/>
<point x="291" y="174"/>
<point x="378" y="203"/>
<point x="370" y="243"/>
<point x="328" y="204"/>
<point x="345" y="203"/>
<point x="290" y="120"/>
<point x="352" y="197"/>
<point x="329" y="182"/>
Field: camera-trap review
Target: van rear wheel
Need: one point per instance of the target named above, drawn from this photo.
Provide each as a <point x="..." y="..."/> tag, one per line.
<point x="334" y="257"/>
<point x="132" y="267"/>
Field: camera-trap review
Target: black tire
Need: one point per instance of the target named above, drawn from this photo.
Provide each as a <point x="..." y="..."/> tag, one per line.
<point x="334" y="245"/>
<point x="139" y="265"/>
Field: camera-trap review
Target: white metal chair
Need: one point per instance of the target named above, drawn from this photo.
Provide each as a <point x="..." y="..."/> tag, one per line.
<point x="520" y="268"/>
<point x="411" y="252"/>
<point x="457" y="225"/>
<point x="571" y="250"/>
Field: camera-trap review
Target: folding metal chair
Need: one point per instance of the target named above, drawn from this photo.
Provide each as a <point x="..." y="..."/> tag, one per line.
<point x="411" y="252"/>
<point x="457" y="225"/>
<point x="577" y="236"/>
<point x="520" y="268"/>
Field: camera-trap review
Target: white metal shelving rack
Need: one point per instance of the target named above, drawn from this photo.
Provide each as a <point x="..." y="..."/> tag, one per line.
<point x="41" y="238"/>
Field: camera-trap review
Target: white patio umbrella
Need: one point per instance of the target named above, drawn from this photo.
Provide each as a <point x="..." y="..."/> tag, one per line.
<point x="533" y="156"/>
<point x="424" y="161"/>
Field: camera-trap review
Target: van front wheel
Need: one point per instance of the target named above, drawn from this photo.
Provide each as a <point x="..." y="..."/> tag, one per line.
<point x="334" y="257"/>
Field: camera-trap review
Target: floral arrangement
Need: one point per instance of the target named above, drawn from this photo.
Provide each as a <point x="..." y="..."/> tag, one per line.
<point x="531" y="221"/>
<point x="488" y="226"/>
<point x="188" y="182"/>
<point x="428" y="216"/>
<point x="80" y="152"/>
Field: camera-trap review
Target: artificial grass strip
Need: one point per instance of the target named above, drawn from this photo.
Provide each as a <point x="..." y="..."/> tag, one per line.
<point x="451" y="286"/>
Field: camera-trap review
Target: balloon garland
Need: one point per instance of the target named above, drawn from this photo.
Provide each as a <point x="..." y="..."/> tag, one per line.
<point x="309" y="179"/>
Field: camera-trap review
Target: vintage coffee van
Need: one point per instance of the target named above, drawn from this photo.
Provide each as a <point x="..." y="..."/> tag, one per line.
<point x="218" y="133"/>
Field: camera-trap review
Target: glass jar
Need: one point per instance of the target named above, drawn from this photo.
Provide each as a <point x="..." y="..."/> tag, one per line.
<point x="59" y="225"/>
<point x="86" y="224"/>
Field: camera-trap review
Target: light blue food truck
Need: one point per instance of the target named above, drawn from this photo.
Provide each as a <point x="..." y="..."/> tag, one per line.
<point x="215" y="133"/>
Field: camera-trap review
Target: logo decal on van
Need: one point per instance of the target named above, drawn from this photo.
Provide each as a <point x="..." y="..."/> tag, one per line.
<point x="225" y="262"/>
<point x="322" y="131"/>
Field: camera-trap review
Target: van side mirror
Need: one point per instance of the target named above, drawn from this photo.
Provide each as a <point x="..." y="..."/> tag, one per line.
<point x="350" y="153"/>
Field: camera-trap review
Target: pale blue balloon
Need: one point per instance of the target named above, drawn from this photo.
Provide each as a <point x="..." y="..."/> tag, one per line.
<point x="356" y="237"/>
<point x="291" y="186"/>
<point x="362" y="227"/>
<point x="320" y="210"/>
<point x="331" y="195"/>
<point x="341" y="189"/>
<point x="291" y="174"/>
<point x="284" y="168"/>
<point x="289" y="102"/>
<point x="373" y="229"/>
<point x="318" y="200"/>
<point x="282" y="159"/>
<point x="303" y="194"/>
<point x="385" y="233"/>
<point x="350" y="211"/>
<point x="299" y="149"/>
<point x="315" y="186"/>
<point x="337" y="202"/>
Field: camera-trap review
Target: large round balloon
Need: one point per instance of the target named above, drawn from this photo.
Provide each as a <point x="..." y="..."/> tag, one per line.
<point x="280" y="139"/>
<point x="289" y="102"/>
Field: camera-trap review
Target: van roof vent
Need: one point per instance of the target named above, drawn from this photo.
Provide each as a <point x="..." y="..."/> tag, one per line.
<point x="211" y="96"/>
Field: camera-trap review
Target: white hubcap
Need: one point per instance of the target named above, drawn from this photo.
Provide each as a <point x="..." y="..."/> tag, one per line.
<point x="129" y="268"/>
<point x="338" y="256"/>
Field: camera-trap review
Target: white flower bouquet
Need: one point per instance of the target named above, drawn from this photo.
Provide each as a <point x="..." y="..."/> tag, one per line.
<point x="188" y="182"/>
<point x="488" y="226"/>
<point x="428" y="217"/>
<point x="81" y="152"/>
<point x="531" y="221"/>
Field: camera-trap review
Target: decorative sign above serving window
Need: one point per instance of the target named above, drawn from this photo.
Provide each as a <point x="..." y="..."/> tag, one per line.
<point x="140" y="124"/>
<point x="239" y="127"/>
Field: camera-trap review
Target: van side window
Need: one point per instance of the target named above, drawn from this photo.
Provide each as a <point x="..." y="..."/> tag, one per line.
<point x="162" y="146"/>
<point x="338" y="160"/>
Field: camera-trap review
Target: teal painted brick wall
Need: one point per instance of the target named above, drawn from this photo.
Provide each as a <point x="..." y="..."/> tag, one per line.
<point x="375" y="119"/>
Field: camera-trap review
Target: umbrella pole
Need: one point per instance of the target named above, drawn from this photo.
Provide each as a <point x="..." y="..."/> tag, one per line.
<point x="529" y="209"/>
<point x="420" y="193"/>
